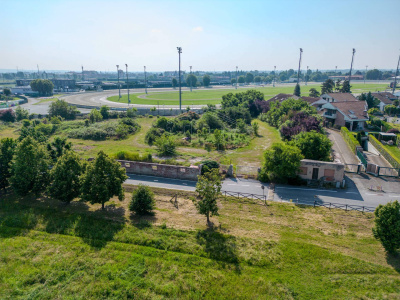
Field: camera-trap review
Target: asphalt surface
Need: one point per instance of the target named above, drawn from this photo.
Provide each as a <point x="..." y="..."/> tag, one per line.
<point x="352" y="195"/>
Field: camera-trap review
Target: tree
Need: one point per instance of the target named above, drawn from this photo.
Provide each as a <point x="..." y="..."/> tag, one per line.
<point x="6" y="92"/>
<point x="191" y="80"/>
<point x="62" y="109"/>
<point x="206" y="80"/>
<point x="281" y="161"/>
<point x="218" y="139"/>
<point x="43" y="86"/>
<point x="174" y="82"/>
<point x="373" y="74"/>
<point x="297" y="90"/>
<point x="338" y="86"/>
<point x="391" y="110"/>
<point x="249" y="77"/>
<point x="21" y="113"/>
<point x="346" y="87"/>
<point x="7" y="115"/>
<point x="30" y="168"/>
<point x="103" y="180"/>
<point x="104" y="111"/>
<point x="58" y="147"/>
<point x="396" y="102"/>
<point x="143" y="201"/>
<point x="131" y="112"/>
<point x="241" y="79"/>
<point x="371" y="100"/>
<point x="313" y="145"/>
<point x="65" y="177"/>
<point x="166" y="145"/>
<point x="7" y="149"/>
<point x="387" y="226"/>
<point x="327" y="86"/>
<point x="233" y="80"/>
<point x="208" y="188"/>
<point x="373" y="111"/>
<point x="314" y="93"/>
<point x="257" y="79"/>
<point x="95" y="116"/>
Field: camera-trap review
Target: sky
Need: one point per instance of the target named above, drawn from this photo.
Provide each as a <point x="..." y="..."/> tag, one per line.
<point x="214" y="35"/>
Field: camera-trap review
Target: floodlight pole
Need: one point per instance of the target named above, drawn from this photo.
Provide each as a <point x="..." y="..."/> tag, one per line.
<point x="82" y="74"/>
<point x="351" y="67"/>
<point x="273" y="84"/>
<point x="191" y="78"/>
<point x="335" y="70"/>
<point x="145" y="80"/>
<point x="236" y="84"/>
<point x="119" y="86"/>
<point x="127" y="83"/>
<point x="306" y="75"/>
<point x="298" y="72"/>
<point x="366" y="68"/>
<point x="180" y="88"/>
<point x="395" y="77"/>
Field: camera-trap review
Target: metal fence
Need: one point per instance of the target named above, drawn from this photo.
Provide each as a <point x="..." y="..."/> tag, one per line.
<point x="352" y="168"/>
<point x="313" y="203"/>
<point x="391" y="172"/>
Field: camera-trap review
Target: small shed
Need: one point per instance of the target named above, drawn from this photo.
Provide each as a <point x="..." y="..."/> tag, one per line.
<point x="384" y="136"/>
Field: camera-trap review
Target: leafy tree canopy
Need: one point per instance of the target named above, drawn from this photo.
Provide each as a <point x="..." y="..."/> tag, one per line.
<point x="387" y="226"/>
<point x="43" y="86"/>
<point x="7" y="149"/>
<point x="313" y="145"/>
<point x="143" y="201"/>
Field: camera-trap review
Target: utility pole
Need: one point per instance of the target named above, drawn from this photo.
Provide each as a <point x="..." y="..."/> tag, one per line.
<point x="236" y="85"/>
<point x="82" y="74"/>
<point x="366" y="68"/>
<point x="273" y="84"/>
<point x="145" y="80"/>
<point x="191" y="78"/>
<point x="298" y="72"/>
<point x="38" y="72"/>
<point x="351" y="67"/>
<point x="395" y="77"/>
<point x="180" y="88"/>
<point x="119" y="86"/>
<point x="335" y="70"/>
<point x="306" y="75"/>
<point x="127" y="83"/>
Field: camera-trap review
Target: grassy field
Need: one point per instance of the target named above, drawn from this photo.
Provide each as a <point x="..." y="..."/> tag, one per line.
<point x="47" y="99"/>
<point x="200" y="97"/>
<point x="281" y="251"/>
<point x="250" y="155"/>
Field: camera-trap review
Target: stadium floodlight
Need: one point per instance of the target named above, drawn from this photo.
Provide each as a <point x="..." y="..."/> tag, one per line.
<point x="273" y="84"/>
<point x="119" y="86"/>
<point x="191" y="78"/>
<point x="82" y="74"/>
<point x="395" y="77"/>
<point x="351" y="66"/>
<point x="366" y="69"/>
<point x="145" y="80"/>
<point x="180" y="86"/>
<point x="127" y="83"/>
<point x="236" y="85"/>
<point x="298" y="72"/>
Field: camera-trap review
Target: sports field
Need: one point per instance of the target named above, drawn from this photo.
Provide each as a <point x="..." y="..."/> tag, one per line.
<point x="202" y="97"/>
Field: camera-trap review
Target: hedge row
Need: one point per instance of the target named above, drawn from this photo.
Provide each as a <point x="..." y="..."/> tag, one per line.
<point x="350" y="139"/>
<point x="394" y="161"/>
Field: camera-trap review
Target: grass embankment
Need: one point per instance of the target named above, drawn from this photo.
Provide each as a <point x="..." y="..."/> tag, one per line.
<point x="50" y="250"/>
<point x="47" y="99"/>
<point x="203" y="97"/>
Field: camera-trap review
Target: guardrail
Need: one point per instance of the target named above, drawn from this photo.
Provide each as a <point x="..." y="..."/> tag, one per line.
<point x="313" y="203"/>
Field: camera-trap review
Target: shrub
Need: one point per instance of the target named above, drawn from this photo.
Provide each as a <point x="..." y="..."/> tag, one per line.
<point x="104" y="111"/>
<point x="350" y="139"/>
<point x="7" y="115"/>
<point x="95" y="116"/>
<point x="153" y="134"/>
<point x="166" y="145"/>
<point x="387" y="226"/>
<point x="62" y="109"/>
<point x="142" y="200"/>
<point x="208" y="165"/>
<point x="133" y="156"/>
<point x="393" y="130"/>
<point x="21" y="113"/>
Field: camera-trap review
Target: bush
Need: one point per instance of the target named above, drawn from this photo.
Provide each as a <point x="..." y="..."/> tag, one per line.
<point x="142" y="200"/>
<point x="208" y="165"/>
<point x="21" y="113"/>
<point x="62" y="109"/>
<point x="166" y="145"/>
<point x="7" y="115"/>
<point x="350" y="139"/>
<point x="95" y="116"/>
<point x="387" y="226"/>
<point x="133" y="156"/>
<point x="153" y="134"/>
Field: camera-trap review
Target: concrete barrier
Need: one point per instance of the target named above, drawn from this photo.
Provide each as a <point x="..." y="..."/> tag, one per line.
<point x="160" y="170"/>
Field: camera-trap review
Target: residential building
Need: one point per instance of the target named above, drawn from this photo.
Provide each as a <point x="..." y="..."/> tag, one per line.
<point x="333" y="97"/>
<point x="384" y="98"/>
<point x="350" y="114"/>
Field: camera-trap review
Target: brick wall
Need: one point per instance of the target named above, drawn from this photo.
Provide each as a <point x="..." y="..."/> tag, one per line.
<point x="160" y="170"/>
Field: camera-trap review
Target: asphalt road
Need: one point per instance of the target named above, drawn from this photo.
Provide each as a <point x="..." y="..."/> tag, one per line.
<point x="350" y="196"/>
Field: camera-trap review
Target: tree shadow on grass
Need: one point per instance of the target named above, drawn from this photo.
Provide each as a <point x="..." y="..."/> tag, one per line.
<point x="394" y="260"/>
<point x="219" y="247"/>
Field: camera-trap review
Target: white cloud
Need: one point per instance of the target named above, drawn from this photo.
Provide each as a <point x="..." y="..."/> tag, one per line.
<point x="198" y="29"/>
<point x="155" y="30"/>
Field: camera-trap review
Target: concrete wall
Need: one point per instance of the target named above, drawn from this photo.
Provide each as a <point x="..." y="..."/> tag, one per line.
<point x="168" y="171"/>
<point x="332" y="172"/>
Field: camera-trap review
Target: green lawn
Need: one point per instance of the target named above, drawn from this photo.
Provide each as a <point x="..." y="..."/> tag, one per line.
<point x="45" y="100"/>
<point x="203" y="97"/>
<point x="393" y="150"/>
<point x="281" y="251"/>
